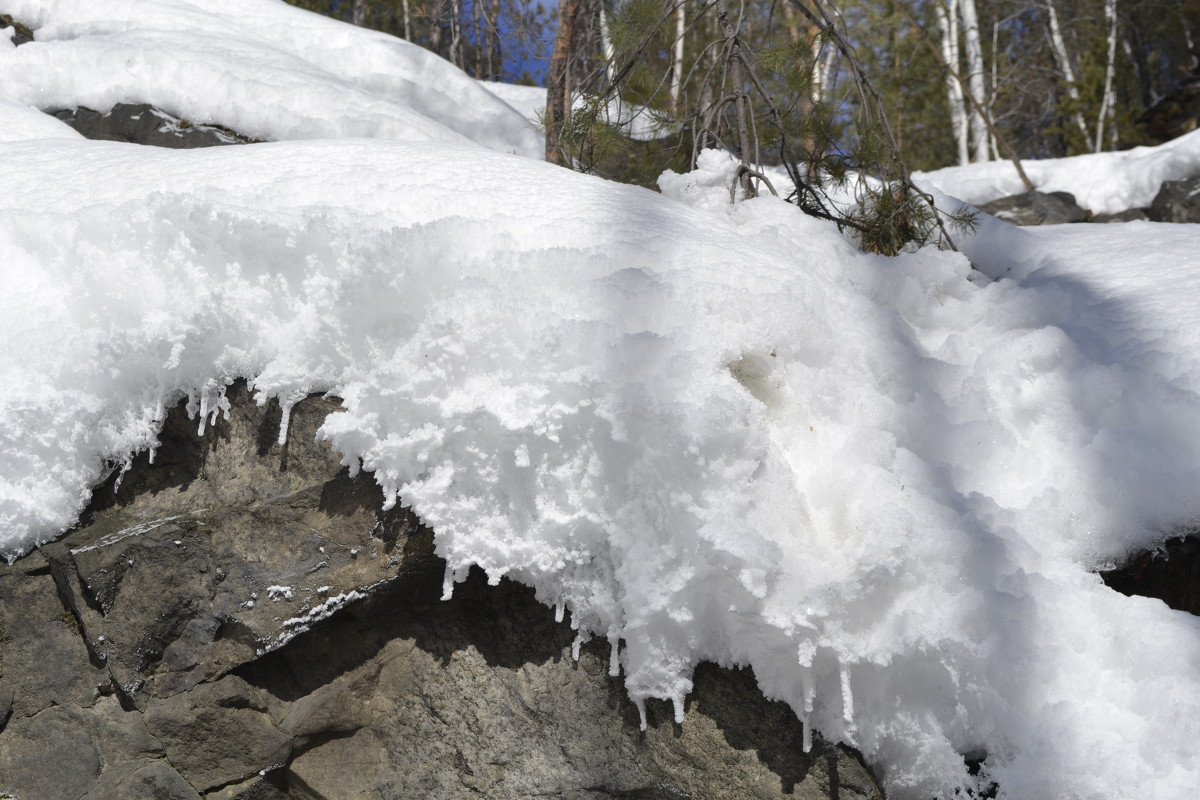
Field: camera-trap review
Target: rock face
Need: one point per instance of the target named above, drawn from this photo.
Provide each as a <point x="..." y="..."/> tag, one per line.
<point x="141" y="123"/>
<point x="1036" y="208"/>
<point x="241" y="620"/>
<point x="1177" y="201"/>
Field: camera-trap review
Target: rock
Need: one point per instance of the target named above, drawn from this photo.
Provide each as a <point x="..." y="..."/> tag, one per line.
<point x="144" y="780"/>
<point x="218" y="733"/>
<point x="1170" y="573"/>
<point x="49" y="755"/>
<point x="1128" y="215"/>
<point x="141" y="123"/>
<point x="1177" y="201"/>
<point x="480" y="695"/>
<point x="21" y="34"/>
<point x="1036" y="208"/>
<point x="229" y="545"/>
<point x="241" y="620"/>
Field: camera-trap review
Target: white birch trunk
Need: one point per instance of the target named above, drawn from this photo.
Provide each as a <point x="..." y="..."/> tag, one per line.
<point x="976" y="79"/>
<point x="456" y="33"/>
<point x="606" y="47"/>
<point x="407" y="21"/>
<point x="360" y="12"/>
<point x="1059" y="45"/>
<point x="1106" y="106"/>
<point x="947" y="17"/>
<point x="677" y="55"/>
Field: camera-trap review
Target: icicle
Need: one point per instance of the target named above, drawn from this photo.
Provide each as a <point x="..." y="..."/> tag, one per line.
<point x="641" y="707"/>
<point x="677" y="701"/>
<point x="847" y="697"/>
<point x="203" y="410"/>
<point x="807" y="732"/>
<point x="580" y="640"/>
<point x="448" y="583"/>
<point x="807" y="651"/>
<point x="284" y="421"/>
<point x="558" y="612"/>
<point x="614" y="661"/>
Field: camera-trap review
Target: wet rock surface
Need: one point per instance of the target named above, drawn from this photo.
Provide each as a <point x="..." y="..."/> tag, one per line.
<point x="141" y="123"/>
<point x="240" y="619"/>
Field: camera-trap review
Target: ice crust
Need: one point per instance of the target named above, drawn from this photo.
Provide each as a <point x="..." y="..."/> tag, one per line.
<point x="702" y="431"/>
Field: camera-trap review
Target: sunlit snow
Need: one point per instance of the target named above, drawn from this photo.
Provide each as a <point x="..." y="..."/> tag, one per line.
<point x="709" y="432"/>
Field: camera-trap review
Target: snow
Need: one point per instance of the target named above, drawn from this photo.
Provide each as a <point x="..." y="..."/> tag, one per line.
<point x="1103" y="183"/>
<point x="708" y="432"/>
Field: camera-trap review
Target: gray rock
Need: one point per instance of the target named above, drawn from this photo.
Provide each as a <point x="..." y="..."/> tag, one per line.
<point x="218" y="733"/>
<point x="1128" y="215"/>
<point x="1177" y="201"/>
<point x="240" y="620"/>
<point x="1036" y="208"/>
<point x="49" y="756"/>
<point x="141" y="123"/>
<point x="480" y="696"/>
<point x="21" y="34"/>
<point x="229" y="545"/>
<point x="144" y="780"/>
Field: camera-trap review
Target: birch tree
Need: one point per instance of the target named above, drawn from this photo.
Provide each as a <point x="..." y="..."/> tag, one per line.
<point x="947" y="18"/>
<point x="976" y="76"/>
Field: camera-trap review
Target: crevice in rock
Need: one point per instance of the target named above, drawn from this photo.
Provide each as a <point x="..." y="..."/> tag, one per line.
<point x="1170" y="573"/>
<point x="65" y="574"/>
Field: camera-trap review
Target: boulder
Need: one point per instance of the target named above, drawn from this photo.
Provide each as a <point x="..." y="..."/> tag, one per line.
<point x="20" y="34"/>
<point x="1036" y="208"/>
<point x="241" y="619"/>
<point x="141" y="123"/>
<point x="1177" y="201"/>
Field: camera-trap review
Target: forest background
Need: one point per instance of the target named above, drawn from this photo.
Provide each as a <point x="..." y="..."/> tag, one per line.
<point x="957" y="81"/>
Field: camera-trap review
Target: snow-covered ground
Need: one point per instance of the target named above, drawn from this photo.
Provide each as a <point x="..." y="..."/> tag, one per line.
<point x="707" y="431"/>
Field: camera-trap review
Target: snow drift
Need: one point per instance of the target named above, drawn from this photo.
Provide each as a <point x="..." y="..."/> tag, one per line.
<point x="706" y="431"/>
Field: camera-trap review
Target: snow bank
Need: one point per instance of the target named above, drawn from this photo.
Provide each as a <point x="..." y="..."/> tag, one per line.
<point x="876" y="482"/>
<point x="709" y="432"/>
<point x="261" y="67"/>
<point x="1104" y="183"/>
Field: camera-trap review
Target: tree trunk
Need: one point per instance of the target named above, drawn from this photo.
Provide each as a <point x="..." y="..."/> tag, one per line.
<point x="558" y="93"/>
<point x="437" y="10"/>
<point x="1063" y="58"/>
<point x="976" y="79"/>
<point x="456" y="48"/>
<point x="360" y="12"/>
<point x="733" y="57"/>
<point x="947" y="17"/>
<point x="1106" y="105"/>
<point x="677" y="56"/>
